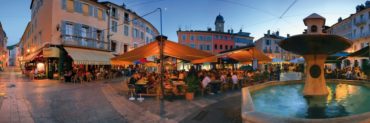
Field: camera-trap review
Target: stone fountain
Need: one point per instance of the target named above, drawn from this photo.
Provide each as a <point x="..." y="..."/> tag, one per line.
<point x="314" y="45"/>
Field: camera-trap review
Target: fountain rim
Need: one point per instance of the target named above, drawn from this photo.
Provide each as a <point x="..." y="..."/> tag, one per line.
<point x="255" y="116"/>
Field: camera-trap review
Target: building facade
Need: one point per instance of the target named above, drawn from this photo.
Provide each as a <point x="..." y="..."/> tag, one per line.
<point x="12" y="55"/>
<point x="356" y="27"/>
<point x="269" y="45"/>
<point x="63" y="33"/>
<point x="3" y="42"/>
<point x="128" y="30"/>
<point x="214" y="41"/>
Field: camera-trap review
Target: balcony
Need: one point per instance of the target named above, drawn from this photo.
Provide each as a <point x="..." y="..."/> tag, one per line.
<point x="360" y="23"/>
<point x="77" y="41"/>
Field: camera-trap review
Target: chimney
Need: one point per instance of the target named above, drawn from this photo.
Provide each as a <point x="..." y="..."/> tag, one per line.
<point x="209" y="29"/>
<point x="232" y="31"/>
<point x="228" y="31"/>
<point x="268" y="32"/>
<point x="240" y="30"/>
<point x="287" y="35"/>
<point x="277" y="33"/>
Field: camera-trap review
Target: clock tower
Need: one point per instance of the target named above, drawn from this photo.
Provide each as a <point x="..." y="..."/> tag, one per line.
<point x="219" y="23"/>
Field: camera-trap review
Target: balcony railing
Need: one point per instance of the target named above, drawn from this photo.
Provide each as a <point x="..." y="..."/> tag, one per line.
<point x="79" y="41"/>
<point x="360" y="23"/>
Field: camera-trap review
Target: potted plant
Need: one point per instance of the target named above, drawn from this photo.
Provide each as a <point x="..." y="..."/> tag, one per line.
<point x="192" y="83"/>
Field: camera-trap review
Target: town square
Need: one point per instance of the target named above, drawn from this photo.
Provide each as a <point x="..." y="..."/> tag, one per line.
<point x="185" y="61"/>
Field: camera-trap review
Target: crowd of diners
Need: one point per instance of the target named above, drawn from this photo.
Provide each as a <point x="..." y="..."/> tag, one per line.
<point x="209" y="81"/>
<point x="92" y="73"/>
<point x="350" y="73"/>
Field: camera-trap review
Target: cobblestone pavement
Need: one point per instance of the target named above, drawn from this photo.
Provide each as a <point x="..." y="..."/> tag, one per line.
<point x="225" y="111"/>
<point x="49" y="101"/>
<point x="180" y="110"/>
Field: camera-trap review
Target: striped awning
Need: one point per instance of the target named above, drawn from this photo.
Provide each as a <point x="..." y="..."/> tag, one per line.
<point x="89" y="57"/>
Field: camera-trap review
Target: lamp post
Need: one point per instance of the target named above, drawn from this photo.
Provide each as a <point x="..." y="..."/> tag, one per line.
<point x="161" y="44"/>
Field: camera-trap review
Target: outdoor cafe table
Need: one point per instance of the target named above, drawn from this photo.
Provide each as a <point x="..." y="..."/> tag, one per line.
<point x="142" y="82"/>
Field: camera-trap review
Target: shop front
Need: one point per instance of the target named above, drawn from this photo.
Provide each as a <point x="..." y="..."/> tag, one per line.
<point x="42" y="64"/>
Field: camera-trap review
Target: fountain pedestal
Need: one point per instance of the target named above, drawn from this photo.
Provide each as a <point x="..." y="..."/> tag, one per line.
<point x="315" y="84"/>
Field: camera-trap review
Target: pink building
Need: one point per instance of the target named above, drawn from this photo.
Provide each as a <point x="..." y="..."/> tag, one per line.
<point x="214" y="41"/>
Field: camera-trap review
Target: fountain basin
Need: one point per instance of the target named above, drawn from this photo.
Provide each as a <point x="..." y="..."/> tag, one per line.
<point x="342" y="107"/>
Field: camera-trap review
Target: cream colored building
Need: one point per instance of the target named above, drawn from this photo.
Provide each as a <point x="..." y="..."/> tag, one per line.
<point x="132" y="31"/>
<point x="63" y="33"/>
<point x="356" y="27"/>
<point x="268" y="44"/>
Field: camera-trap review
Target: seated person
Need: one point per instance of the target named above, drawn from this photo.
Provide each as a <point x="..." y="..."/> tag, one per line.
<point x="206" y="80"/>
<point x="234" y="79"/>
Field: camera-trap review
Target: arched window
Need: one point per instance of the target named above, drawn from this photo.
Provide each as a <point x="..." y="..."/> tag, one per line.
<point x="313" y="28"/>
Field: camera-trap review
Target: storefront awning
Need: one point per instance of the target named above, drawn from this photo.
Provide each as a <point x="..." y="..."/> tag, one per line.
<point x="31" y="56"/>
<point x="89" y="57"/>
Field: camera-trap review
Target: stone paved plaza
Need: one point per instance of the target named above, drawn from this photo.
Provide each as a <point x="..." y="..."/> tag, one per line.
<point x="50" y="101"/>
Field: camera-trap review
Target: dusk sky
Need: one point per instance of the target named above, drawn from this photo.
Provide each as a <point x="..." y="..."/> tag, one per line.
<point x="254" y="16"/>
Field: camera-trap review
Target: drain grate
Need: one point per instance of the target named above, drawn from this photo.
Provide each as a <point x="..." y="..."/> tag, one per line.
<point x="200" y="115"/>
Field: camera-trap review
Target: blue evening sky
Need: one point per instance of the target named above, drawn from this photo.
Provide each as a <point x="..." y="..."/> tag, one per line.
<point x="254" y="16"/>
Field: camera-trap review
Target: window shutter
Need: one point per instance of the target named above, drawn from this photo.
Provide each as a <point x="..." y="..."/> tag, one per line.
<point x="78" y="6"/>
<point x="95" y="12"/>
<point x="63" y="29"/>
<point x="64" y="4"/>
<point x="94" y="34"/>
<point x="91" y="10"/>
<point x="77" y="32"/>
<point x="102" y="39"/>
<point x="104" y="14"/>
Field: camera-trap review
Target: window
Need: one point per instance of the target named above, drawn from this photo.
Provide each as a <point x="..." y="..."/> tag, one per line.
<point x="125" y="48"/>
<point x="201" y="47"/>
<point x="114" y="26"/>
<point x="99" y="35"/>
<point x="68" y="32"/>
<point x="231" y="46"/>
<point x="84" y="31"/>
<point x="126" y="17"/>
<point x="125" y="30"/>
<point x="114" y="13"/>
<point x="77" y="6"/>
<point x="208" y="47"/>
<point x="183" y="37"/>
<point x="113" y="46"/>
<point x="192" y="38"/>
<point x="220" y="47"/>
<point x="215" y="47"/>
<point x="192" y="45"/>
<point x="209" y="38"/>
<point x="226" y="47"/>
<point x="134" y="33"/>
<point x="267" y="42"/>
<point x="142" y="35"/>
<point x="200" y="38"/>
<point x="277" y="50"/>
<point x="313" y="28"/>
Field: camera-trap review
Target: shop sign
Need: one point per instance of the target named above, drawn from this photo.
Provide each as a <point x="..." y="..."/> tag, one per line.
<point x="51" y="52"/>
